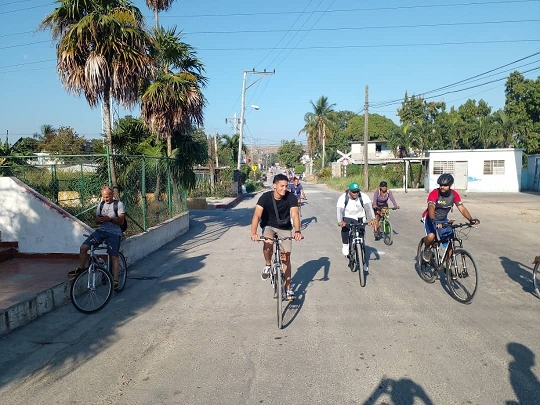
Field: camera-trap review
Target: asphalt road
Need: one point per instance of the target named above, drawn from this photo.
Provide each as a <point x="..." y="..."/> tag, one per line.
<point x="197" y="325"/>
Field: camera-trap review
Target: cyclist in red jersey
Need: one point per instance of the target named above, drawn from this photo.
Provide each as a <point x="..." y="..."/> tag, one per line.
<point x="440" y="201"/>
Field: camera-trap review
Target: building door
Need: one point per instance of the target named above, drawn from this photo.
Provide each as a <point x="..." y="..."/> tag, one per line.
<point x="460" y="175"/>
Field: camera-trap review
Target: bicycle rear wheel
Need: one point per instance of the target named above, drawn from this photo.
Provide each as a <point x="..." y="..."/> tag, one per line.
<point x="426" y="271"/>
<point x="352" y="258"/>
<point x="279" y="301"/>
<point x="536" y="279"/>
<point x="122" y="272"/>
<point x="387" y="232"/>
<point x="359" y="253"/>
<point x="91" y="290"/>
<point x="462" y="276"/>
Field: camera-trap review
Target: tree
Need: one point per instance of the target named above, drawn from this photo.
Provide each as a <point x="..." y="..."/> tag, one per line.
<point x="64" y="142"/>
<point x="319" y="124"/>
<point x="289" y="153"/>
<point x="379" y="127"/>
<point x="229" y="146"/>
<point x="102" y="52"/>
<point x="173" y="101"/>
<point x="158" y="5"/>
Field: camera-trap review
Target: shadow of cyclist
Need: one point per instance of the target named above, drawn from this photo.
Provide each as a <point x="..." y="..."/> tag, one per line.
<point x="307" y="221"/>
<point x="518" y="272"/>
<point x="303" y="277"/>
<point x="525" y="384"/>
<point x="401" y="392"/>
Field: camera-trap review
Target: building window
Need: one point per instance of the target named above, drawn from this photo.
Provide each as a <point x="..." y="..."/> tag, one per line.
<point x="378" y="147"/>
<point x="440" y="167"/>
<point x="493" y="166"/>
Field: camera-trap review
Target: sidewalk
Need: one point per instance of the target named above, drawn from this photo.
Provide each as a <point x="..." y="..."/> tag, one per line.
<point x="31" y="287"/>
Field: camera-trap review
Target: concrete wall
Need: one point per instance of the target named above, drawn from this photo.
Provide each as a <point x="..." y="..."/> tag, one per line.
<point x="533" y="176"/>
<point x="477" y="181"/>
<point x="40" y="226"/>
<point x="37" y="224"/>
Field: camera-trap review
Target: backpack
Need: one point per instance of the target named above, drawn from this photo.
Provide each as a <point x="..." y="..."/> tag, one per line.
<point x="347" y="201"/>
<point x="123" y="227"/>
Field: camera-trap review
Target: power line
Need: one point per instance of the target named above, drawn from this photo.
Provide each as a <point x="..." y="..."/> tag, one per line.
<point x="281" y="13"/>
<point x="361" y="28"/>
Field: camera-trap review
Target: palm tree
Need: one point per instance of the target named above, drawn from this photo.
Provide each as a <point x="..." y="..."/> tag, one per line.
<point x="157" y="6"/>
<point x="230" y="144"/>
<point x="318" y="123"/>
<point x="173" y="101"/>
<point x="505" y="129"/>
<point x="102" y="52"/>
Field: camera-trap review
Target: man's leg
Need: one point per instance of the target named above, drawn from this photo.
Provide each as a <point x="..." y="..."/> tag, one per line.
<point x="83" y="256"/>
<point x="114" y="270"/>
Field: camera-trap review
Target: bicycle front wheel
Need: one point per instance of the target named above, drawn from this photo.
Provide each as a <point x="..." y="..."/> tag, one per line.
<point x="279" y="301"/>
<point x="462" y="276"/>
<point x="426" y="271"/>
<point x="360" y="263"/>
<point x="91" y="290"/>
<point x="122" y="272"/>
<point x="387" y="232"/>
<point x="536" y="279"/>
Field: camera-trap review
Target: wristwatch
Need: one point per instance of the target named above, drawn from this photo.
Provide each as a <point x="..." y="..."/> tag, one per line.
<point x="297" y="231"/>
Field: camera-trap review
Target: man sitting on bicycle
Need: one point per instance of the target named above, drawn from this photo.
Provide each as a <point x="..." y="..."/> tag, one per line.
<point x="297" y="189"/>
<point x="274" y="211"/>
<point x="440" y="201"/>
<point x="109" y="231"/>
<point x="352" y="206"/>
<point x="380" y="201"/>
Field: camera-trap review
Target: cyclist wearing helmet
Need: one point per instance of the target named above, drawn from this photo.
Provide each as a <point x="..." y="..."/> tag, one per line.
<point x="352" y="206"/>
<point x="440" y="201"/>
<point x="380" y="201"/>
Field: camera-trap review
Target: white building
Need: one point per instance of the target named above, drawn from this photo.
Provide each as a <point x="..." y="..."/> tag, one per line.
<point x="377" y="150"/>
<point x="484" y="170"/>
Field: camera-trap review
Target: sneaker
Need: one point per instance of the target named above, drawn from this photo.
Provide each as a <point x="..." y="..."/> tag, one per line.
<point x="427" y="256"/>
<point x="116" y="286"/>
<point x="345" y="250"/>
<point x="366" y="268"/>
<point x="75" y="272"/>
<point x="290" y="295"/>
<point x="266" y="272"/>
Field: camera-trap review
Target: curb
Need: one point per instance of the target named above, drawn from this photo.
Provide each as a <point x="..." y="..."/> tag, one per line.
<point x="26" y="311"/>
<point x="230" y="204"/>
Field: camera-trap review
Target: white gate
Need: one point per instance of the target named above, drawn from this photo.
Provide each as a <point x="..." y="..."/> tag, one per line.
<point x="460" y="175"/>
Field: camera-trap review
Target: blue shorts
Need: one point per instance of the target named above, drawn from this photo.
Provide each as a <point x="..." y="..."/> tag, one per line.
<point x="429" y="227"/>
<point x="99" y="236"/>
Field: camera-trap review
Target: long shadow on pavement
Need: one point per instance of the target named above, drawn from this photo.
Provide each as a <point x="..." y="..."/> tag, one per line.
<point x="518" y="272"/>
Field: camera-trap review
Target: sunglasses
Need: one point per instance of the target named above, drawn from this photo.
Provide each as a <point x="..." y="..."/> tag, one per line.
<point x="355" y="192"/>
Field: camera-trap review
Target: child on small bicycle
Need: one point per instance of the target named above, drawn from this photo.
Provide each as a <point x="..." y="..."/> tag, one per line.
<point x="380" y="201"/>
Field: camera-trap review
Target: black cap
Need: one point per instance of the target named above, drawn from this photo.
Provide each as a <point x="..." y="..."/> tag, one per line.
<point x="383" y="184"/>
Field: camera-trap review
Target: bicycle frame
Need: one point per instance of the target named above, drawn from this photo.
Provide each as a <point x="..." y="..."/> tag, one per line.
<point x="356" y="238"/>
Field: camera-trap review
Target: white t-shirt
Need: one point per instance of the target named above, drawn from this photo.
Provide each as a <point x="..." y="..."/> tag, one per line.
<point x="354" y="207"/>
<point x="108" y="211"/>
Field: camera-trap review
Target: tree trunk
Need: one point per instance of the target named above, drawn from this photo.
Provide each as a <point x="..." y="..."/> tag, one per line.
<point x="156" y="18"/>
<point x="169" y="145"/>
<point x="108" y="134"/>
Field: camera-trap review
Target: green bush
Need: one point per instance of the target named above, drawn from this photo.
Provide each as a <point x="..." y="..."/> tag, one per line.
<point x="299" y="169"/>
<point x="324" y="174"/>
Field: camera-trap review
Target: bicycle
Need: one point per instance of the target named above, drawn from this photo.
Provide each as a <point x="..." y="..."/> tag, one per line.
<point x="385" y="227"/>
<point x="536" y="276"/>
<point x="92" y="289"/>
<point x="357" y="250"/>
<point x="449" y="255"/>
<point x="276" y="275"/>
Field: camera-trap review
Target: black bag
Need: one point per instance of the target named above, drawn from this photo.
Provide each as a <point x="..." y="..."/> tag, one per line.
<point x="124" y="225"/>
<point x="279" y="221"/>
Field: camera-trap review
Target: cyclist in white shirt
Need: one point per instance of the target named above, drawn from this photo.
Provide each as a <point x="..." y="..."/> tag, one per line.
<point x="353" y="206"/>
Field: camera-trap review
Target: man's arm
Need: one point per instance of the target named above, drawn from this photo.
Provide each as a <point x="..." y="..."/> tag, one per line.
<point x="465" y="212"/>
<point x="295" y="215"/>
<point x="257" y="214"/>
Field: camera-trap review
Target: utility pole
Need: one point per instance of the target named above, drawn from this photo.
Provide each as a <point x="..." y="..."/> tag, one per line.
<point x="235" y="121"/>
<point x="366" y="138"/>
<point x="323" y="144"/>
<point x="216" y="149"/>
<point x="243" y="111"/>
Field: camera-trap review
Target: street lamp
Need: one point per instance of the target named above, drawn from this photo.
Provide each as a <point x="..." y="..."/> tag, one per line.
<point x="244" y="88"/>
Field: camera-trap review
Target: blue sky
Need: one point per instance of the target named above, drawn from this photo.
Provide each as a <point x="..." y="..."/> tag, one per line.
<point x="317" y="47"/>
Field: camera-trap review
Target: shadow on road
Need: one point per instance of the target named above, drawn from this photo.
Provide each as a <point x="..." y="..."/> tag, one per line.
<point x="304" y="275"/>
<point x="399" y="392"/>
<point x="525" y="384"/>
<point x="518" y="272"/>
<point x="307" y="221"/>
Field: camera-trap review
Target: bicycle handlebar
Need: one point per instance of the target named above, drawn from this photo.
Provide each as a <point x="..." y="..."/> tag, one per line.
<point x="262" y="237"/>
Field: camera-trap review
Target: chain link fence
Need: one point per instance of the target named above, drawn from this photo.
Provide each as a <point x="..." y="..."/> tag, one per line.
<point x="148" y="186"/>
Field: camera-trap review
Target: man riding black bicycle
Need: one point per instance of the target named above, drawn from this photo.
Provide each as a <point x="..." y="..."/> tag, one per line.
<point x="353" y="206"/>
<point x="440" y="201"/>
<point x="110" y="220"/>
<point x="274" y="211"/>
